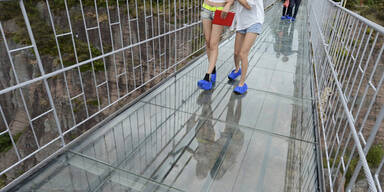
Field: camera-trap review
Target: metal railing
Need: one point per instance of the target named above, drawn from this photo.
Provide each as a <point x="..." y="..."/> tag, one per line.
<point x="67" y="65"/>
<point x="347" y="52"/>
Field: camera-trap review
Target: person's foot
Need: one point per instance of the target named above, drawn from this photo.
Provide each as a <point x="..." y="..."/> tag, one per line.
<point x="289" y="17"/>
<point x="283" y="17"/>
<point x="233" y="75"/>
<point x="241" y="89"/>
<point x="204" y="84"/>
<point x="292" y="19"/>
<point x="213" y="77"/>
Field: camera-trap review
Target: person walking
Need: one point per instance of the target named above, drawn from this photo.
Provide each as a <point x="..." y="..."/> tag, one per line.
<point x="212" y="34"/>
<point x="248" y="24"/>
<point x="285" y="8"/>
<point x="293" y="4"/>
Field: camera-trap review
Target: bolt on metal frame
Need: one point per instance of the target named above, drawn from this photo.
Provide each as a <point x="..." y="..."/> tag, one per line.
<point x="347" y="50"/>
<point x="155" y="35"/>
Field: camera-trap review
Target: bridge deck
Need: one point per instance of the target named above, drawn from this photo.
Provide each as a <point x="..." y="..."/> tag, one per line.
<point x="180" y="138"/>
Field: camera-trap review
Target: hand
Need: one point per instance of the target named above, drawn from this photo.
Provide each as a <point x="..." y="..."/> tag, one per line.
<point x="286" y="3"/>
<point x="224" y="12"/>
<point x="245" y="4"/>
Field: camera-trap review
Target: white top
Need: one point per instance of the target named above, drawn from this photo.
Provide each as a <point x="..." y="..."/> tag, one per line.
<point x="218" y="1"/>
<point x="244" y="18"/>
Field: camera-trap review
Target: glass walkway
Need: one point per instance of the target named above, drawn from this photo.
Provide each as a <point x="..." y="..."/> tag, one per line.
<point x="180" y="138"/>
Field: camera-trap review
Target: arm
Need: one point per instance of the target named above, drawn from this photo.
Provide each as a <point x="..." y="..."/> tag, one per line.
<point x="229" y="2"/>
<point x="245" y="4"/>
<point x="226" y="8"/>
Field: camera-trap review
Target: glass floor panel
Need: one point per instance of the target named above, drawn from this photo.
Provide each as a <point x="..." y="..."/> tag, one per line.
<point x="182" y="151"/>
<point x="275" y="113"/>
<point x="180" y="138"/>
<point x="73" y="172"/>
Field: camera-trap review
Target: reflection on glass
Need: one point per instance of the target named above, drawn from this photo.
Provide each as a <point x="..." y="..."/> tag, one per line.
<point x="283" y="40"/>
<point x="214" y="155"/>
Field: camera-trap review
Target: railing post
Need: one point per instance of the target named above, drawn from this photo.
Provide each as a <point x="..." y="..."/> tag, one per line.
<point x="39" y="63"/>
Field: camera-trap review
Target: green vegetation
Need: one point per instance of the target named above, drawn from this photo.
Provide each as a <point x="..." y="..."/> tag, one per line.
<point x="58" y="5"/>
<point x="350" y="170"/>
<point x="93" y="102"/>
<point x="371" y="9"/>
<point x="8" y="10"/>
<point x="341" y="51"/>
<point x="3" y="181"/>
<point x="78" y="105"/>
<point x="45" y="40"/>
<point x="374" y="157"/>
<point x="6" y="143"/>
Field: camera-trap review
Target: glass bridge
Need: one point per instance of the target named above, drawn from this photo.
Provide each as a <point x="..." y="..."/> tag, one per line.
<point x="298" y="128"/>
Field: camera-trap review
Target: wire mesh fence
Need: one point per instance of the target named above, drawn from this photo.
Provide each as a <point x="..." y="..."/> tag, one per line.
<point x="67" y="65"/>
<point x="348" y="56"/>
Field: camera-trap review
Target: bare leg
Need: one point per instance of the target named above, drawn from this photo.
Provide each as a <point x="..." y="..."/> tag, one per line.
<point x="238" y="42"/>
<point x="207" y="28"/>
<point x="216" y="32"/>
<point x="246" y="46"/>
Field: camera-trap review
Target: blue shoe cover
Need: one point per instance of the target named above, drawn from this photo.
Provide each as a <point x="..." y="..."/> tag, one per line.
<point x="241" y="90"/>
<point x="203" y="84"/>
<point x="233" y="75"/>
<point x="213" y="78"/>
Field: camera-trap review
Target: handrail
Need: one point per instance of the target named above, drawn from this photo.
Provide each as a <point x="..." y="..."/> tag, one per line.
<point x="346" y="57"/>
<point x="370" y="23"/>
